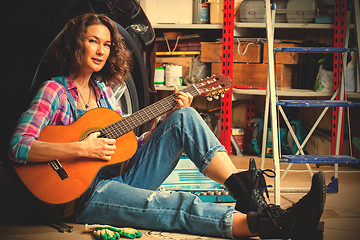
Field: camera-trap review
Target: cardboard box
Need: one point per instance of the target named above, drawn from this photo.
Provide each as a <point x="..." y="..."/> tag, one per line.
<point x="212" y="52"/>
<point x="255" y="75"/>
<point x="168" y="11"/>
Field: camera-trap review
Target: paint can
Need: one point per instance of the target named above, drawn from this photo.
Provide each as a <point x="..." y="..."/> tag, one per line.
<point x="159" y="77"/>
<point x="173" y="75"/>
<point x="201" y="12"/>
<point x="239" y="135"/>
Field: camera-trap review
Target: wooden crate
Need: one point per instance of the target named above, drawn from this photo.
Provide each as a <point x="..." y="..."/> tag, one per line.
<point x="212" y="52"/>
<point x="255" y="75"/>
<point x="282" y="57"/>
<point x="185" y="62"/>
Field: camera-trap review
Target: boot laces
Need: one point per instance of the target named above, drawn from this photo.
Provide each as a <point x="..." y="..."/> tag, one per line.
<point x="260" y="182"/>
<point x="274" y="212"/>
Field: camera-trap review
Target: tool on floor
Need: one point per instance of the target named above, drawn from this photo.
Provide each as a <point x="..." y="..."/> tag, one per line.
<point x="107" y="232"/>
<point x="186" y="177"/>
<point x="61" y="227"/>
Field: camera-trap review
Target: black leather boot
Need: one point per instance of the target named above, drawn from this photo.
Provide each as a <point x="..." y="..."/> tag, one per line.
<point x="298" y="221"/>
<point x="248" y="188"/>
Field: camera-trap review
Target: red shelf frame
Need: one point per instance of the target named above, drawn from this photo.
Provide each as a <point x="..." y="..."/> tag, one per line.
<point x="340" y="13"/>
<point x="227" y="70"/>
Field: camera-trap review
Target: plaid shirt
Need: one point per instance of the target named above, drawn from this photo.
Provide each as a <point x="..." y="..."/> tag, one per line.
<point x="50" y="107"/>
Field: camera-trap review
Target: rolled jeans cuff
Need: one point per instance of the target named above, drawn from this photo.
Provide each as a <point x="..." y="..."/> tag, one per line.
<point x="209" y="156"/>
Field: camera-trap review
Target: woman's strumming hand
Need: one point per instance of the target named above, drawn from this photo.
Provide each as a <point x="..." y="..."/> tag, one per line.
<point x="101" y="148"/>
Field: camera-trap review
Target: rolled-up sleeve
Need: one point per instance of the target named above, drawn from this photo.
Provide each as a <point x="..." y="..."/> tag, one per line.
<point x="42" y="111"/>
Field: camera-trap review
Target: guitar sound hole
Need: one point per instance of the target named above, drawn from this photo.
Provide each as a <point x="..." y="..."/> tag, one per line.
<point x="88" y="131"/>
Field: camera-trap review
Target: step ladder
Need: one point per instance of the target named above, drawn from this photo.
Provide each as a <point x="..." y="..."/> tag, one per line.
<point x="272" y="105"/>
<point x="332" y="159"/>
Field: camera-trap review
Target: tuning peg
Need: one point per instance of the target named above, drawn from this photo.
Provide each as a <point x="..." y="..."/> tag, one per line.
<point x="222" y="95"/>
<point x="209" y="99"/>
<point x="216" y="96"/>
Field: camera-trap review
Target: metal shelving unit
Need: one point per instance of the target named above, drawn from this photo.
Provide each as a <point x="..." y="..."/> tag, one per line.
<point x="272" y="92"/>
<point x="187" y="26"/>
<point x="227" y="70"/>
<point x="285" y="25"/>
<point x="293" y="93"/>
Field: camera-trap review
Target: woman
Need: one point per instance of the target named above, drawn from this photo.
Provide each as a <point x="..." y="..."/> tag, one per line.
<point x="92" y="57"/>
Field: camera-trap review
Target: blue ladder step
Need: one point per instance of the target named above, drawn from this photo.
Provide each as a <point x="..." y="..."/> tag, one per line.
<point x="316" y="103"/>
<point x="314" y="49"/>
<point x="321" y="159"/>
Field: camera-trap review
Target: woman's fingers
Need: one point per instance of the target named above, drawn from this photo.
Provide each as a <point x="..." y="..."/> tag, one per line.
<point x="102" y="148"/>
<point x="183" y="99"/>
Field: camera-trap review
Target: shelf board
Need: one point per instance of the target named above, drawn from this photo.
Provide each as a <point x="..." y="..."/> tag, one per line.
<point x="186" y="26"/>
<point x="293" y="93"/>
<point x="285" y="25"/>
<point x="353" y="95"/>
<point x="246" y="25"/>
<point x="176" y="53"/>
<point x="283" y="92"/>
<point x="165" y="88"/>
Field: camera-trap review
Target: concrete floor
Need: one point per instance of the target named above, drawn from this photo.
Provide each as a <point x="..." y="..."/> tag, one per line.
<point x="341" y="215"/>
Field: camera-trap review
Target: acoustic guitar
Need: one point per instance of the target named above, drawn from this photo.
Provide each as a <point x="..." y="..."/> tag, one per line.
<point x="59" y="184"/>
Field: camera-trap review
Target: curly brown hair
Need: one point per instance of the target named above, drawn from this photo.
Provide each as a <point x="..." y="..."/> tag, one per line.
<point x="69" y="50"/>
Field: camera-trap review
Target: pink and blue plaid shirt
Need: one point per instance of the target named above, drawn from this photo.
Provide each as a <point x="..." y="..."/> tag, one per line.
<point x="50" y="107"/>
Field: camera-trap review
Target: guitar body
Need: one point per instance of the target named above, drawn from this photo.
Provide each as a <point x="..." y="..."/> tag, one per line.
<point x="45" y="183"/>
<point x="61" y="185"/>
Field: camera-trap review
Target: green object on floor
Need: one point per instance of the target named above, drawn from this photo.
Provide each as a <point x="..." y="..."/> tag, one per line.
<point x="106" y="232"/>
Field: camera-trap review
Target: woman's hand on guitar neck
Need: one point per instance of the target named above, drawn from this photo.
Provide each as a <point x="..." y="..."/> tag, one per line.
<point x="183" y="99"/>
<point x="101" y="148"/>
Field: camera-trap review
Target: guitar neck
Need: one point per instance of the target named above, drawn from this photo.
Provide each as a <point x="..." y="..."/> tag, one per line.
<point x="144" y="115"/>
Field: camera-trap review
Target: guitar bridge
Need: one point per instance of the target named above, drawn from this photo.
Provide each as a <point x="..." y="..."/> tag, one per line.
<point x="56" y="165"/>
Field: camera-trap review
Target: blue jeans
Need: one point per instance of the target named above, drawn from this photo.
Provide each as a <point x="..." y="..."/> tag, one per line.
<point x="131" y="200"/>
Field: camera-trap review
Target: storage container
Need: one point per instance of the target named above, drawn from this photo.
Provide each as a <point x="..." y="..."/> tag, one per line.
<point x="254" y="11"/>
<point x="173" y="75"/>
<point x="216" y="11"/>
<point x="255" y="75"/>
<point x="212" y="52"/>
<point x="201" y="12"/>
<point x="300" y="11"/>
<point x="183" y="61"/>
<point x="282" y="57"/>
<point x="239" y="135"/>
<point x="292" y="11"/>
<point x="159" y="77"/>
<point x="168" y="11"/>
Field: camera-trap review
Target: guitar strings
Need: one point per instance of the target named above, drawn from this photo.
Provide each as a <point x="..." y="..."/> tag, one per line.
<point x="144" y="115"/>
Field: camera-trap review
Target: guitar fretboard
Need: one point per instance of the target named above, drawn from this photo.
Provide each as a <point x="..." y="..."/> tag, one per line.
<point x="144" y="115"/>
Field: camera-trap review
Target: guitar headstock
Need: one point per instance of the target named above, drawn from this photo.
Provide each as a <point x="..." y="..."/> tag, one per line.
<point x="213" y="86"/>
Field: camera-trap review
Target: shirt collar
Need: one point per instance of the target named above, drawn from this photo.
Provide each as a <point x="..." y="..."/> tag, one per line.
<point x="72" y="86"/>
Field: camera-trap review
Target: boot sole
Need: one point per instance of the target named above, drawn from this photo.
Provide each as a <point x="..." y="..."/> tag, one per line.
<point x="306" y="220"/>
<point x="322" y="186"/>
<point x="319" y="188"/>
